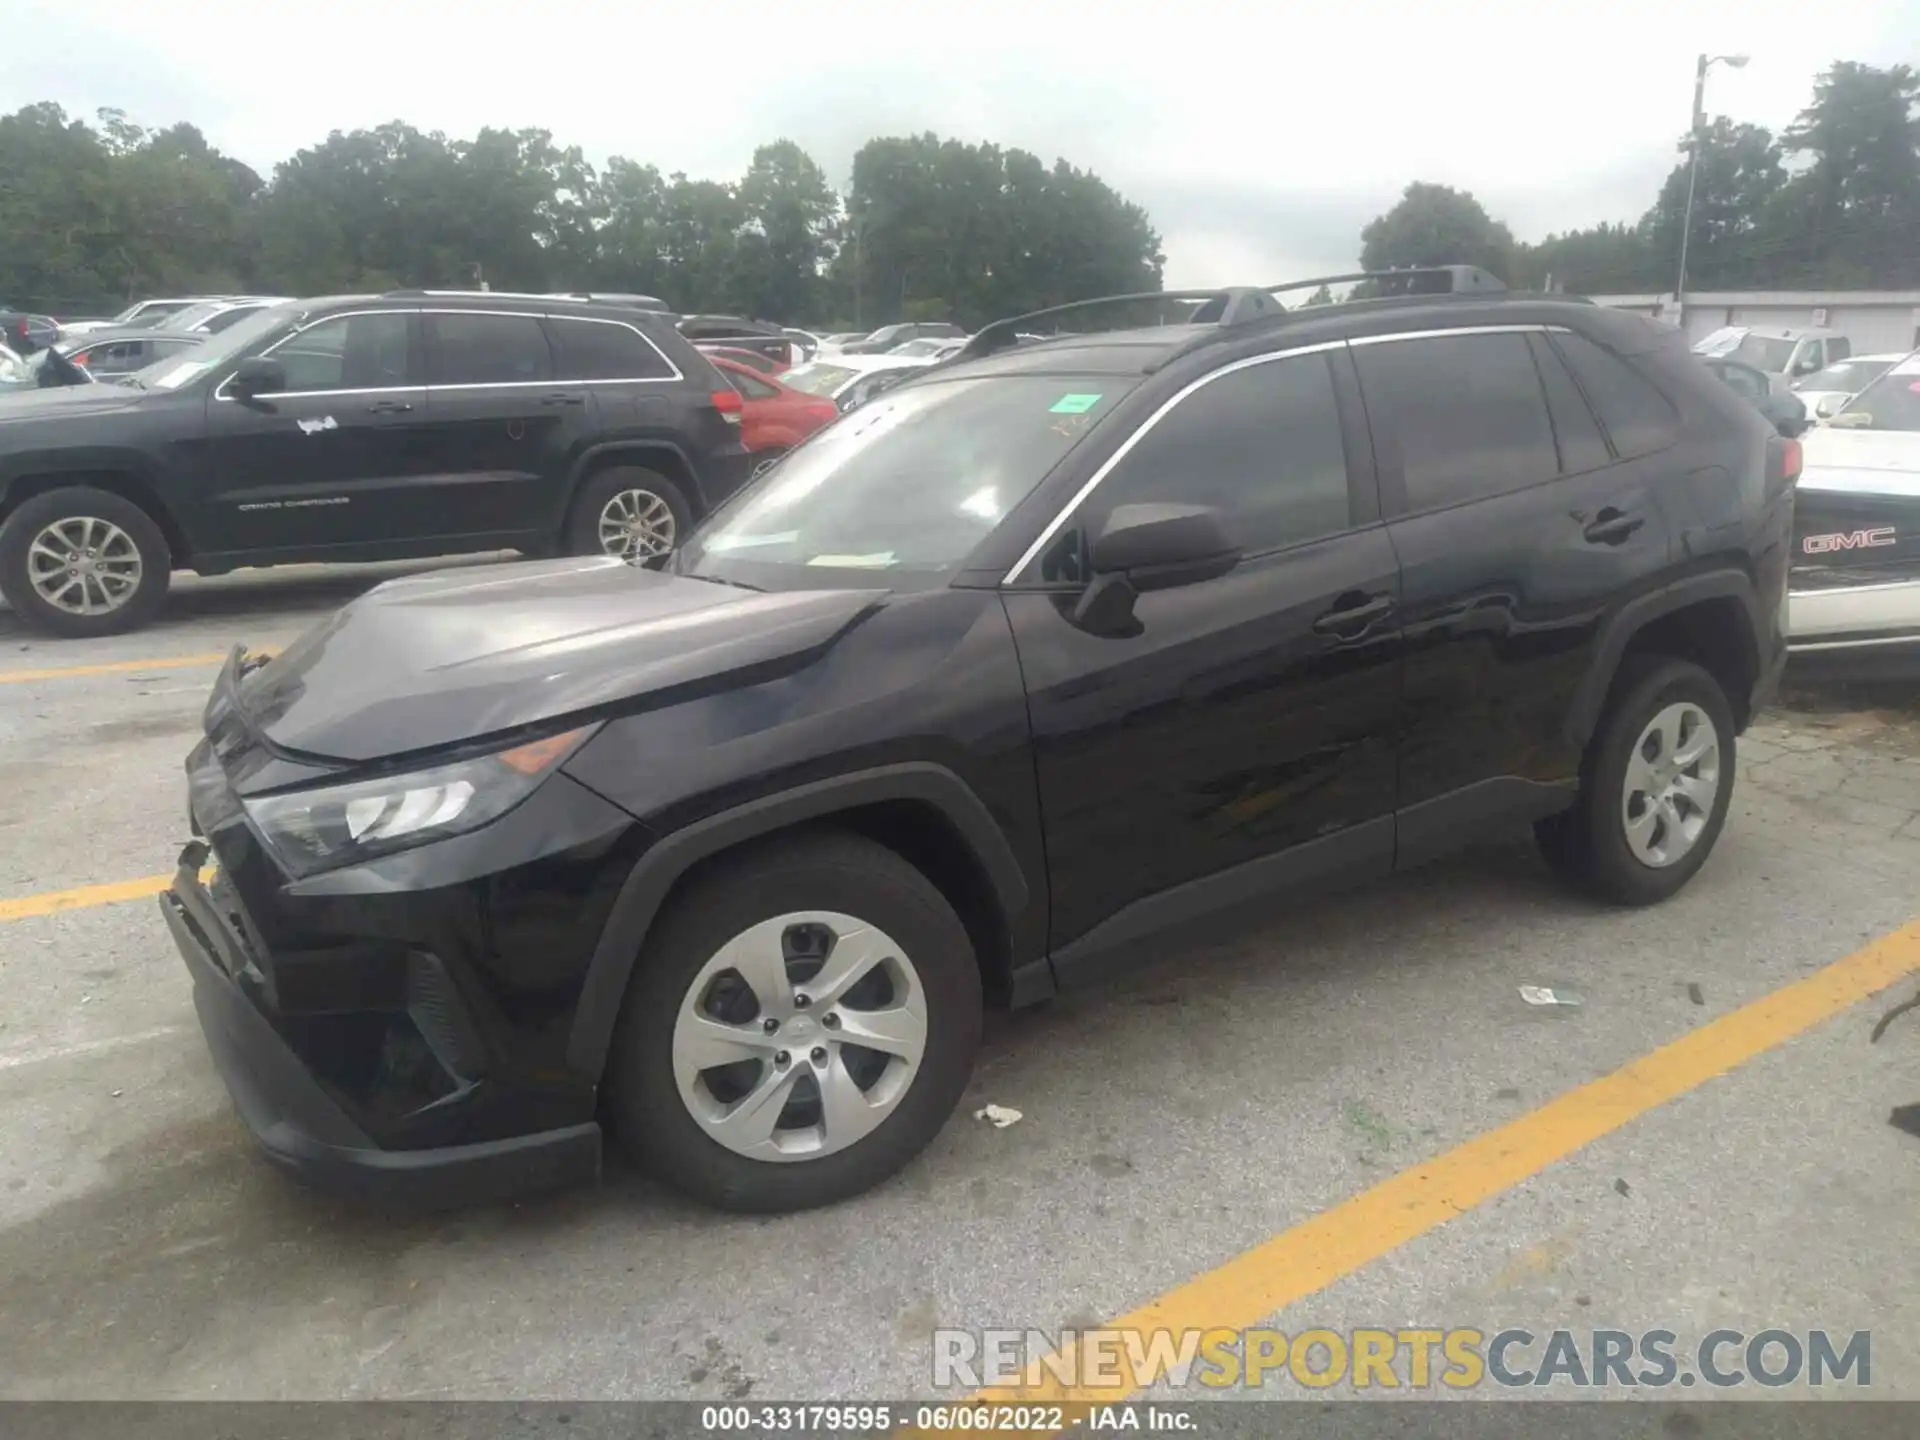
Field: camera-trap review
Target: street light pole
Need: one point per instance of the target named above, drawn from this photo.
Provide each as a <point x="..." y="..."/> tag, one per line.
<point x="1700" y="68"/>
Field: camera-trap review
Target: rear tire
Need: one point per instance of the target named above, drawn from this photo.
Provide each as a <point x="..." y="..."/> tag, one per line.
<point x="673" y="1113"/>
<point x="1655" y="789"/>
<point x="118" y="566"/>
<point x="628" y="511"/>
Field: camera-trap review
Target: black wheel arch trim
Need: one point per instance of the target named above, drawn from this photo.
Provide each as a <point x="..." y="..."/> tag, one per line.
<point x="637" y="448"/>
<point x="661" y="867"/>
<point x="65" y="473"/>
<point x="1634" y="616"/>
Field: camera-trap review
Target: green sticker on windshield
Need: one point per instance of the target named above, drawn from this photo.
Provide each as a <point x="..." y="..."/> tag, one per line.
<point x="1074" y="404"/>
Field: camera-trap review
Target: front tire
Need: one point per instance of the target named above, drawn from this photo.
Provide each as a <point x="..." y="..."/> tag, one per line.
<point x="1655" y="789"/>
<point x="802" y="1021"/>
<point x="80" y="562"/>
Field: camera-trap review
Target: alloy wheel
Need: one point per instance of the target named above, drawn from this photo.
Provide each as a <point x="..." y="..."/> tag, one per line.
<point x="84" y="565"/>
<point x="636" y="525"/>
<point x="1673" y="776"/>
<point x="799" y="1036"/>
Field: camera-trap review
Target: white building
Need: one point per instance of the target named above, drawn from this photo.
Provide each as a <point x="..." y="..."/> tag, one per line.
<point x="1873" y="320"/>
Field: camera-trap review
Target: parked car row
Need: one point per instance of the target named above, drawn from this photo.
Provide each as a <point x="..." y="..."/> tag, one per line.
<point x="1045" y="654"/>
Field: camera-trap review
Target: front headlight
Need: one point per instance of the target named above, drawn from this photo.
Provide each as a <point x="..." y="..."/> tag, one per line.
<point x="318" y="829"/>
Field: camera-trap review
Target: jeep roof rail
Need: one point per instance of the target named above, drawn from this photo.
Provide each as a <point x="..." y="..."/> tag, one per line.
<point x="1243" y="304"/>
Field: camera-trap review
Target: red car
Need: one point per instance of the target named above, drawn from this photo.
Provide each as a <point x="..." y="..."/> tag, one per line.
<point x="773" y="417"/>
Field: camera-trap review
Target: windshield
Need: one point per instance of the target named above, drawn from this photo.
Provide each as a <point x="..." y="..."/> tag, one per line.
<point x="172" y="373"/>
<point x="907" y="485"/>
<point x="919" y="347"/>
<point x="1890" y="403"/>
<point x="188" y="318"/>
<point x="821" y="379"/>
<point x="1847" y="375"/>
<point x="1763" y="352"/>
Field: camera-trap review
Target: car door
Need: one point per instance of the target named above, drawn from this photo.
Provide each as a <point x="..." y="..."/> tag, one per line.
<point x="1241" y="741"/>
<point x="327" y="461"/>
<point x="505" y="429"/>
<point x="1518" y="531"/>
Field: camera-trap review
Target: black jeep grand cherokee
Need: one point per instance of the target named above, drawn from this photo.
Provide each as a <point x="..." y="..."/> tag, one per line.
<point x="361" y="428"/>
<point x="1010" y="677"/>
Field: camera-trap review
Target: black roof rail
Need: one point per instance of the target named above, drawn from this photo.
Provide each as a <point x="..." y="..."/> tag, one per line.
<point x="1229" y="306"/>
<point x="1416" y="280"/>
<point x="1244" y="304"/>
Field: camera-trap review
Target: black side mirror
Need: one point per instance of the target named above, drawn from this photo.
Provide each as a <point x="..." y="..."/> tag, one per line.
<point x="1150" y="547"/>
<point x="258" y="376"/>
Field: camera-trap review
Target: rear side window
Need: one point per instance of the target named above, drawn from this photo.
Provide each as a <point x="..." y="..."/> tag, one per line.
<point x="602" y="350"/>
<point x="1582" y="447"/>
<point x="1262" y="445"/>
<point x="1464" y="416"/>
<point x="1637" y="418"/>
<point x="479" y="349"/>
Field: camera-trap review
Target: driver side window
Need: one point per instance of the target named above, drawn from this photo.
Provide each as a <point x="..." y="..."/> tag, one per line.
<point x="1261" y="444"/>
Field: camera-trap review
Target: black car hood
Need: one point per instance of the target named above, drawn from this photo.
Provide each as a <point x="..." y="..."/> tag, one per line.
<point x="442" y="659"/>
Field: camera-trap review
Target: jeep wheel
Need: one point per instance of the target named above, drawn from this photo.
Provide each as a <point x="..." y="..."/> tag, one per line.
<point x="630" y="512"/>
<point x="81" y="562"/>
<point x="801" y="1023"/>
<point x="1655" y="790"/>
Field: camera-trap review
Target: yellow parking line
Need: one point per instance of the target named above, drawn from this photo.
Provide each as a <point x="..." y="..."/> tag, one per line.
<point x="84" y="897"/>
<point x="1335" y="1243"/>
<point x="112" y="667"/>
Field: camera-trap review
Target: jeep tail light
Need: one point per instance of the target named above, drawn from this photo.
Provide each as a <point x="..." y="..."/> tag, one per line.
<point x="1785" y="457"/>
<point x="729" y="404"/>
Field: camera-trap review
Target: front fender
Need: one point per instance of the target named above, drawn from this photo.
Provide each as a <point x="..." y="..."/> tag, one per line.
<point x="662" y="866"/>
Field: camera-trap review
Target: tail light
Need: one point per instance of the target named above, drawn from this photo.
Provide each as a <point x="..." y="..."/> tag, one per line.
<point x="823" y="410"/>
<point x="81" y="359"/>
<point x="729" y="404"/>
<point x="1783" y="460"/>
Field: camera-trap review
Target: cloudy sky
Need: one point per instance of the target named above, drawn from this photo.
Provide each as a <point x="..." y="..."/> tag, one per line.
<point x="1259" y="144"/>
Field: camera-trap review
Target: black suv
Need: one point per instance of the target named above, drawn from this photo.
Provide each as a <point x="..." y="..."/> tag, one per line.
<point x="1011" y="677"/>
<point x="362" y="428"/>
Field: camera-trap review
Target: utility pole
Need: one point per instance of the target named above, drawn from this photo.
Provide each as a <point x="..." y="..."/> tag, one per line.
<point x="1694" y="133"/>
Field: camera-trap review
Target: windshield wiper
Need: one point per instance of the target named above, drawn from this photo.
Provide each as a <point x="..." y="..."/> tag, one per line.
<point x="719" y="580"/>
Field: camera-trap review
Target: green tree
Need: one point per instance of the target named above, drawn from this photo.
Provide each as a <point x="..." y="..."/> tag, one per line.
<point x="1855" y="210"/>
<point x="789" y="213"/>
<point x="944" y="229"/>
<point x="1740" y="174"/>
<point x="1436" y="225"/>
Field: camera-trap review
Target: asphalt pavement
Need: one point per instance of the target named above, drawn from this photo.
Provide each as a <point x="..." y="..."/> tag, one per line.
<point x="1175" y="1130"/>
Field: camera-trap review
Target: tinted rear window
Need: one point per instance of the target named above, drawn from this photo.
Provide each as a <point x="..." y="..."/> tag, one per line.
<point x="1637" y="418"/>
<point x="602" y="350"/>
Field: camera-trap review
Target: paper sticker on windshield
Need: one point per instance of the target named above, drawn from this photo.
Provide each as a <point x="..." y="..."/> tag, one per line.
<point x="1073" y="404"/>
<point x="854" y="562"/>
